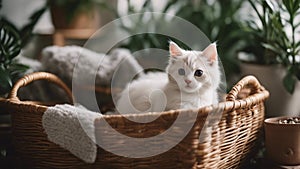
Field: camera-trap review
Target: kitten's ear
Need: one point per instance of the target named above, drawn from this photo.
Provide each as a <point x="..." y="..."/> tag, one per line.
<point x="174" y="49"/>
<point x="211" y="52"/>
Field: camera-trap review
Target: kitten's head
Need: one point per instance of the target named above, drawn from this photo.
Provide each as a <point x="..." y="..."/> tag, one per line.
<point x="194" y="71"/>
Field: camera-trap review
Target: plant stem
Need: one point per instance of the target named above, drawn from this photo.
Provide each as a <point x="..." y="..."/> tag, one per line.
<point x="293" y="39"/>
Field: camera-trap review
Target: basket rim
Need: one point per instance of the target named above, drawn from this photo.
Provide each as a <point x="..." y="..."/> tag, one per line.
<point x="256" y="98"/>
<point x="257" y="94"/>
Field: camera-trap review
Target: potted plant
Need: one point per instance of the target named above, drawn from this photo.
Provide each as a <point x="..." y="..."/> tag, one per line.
<point x="219" y="21"/>
<point x="272" y="53"/>
<point x="78" y="14"/>
<point x="282" y="135"/>
<point x="10" y="69"/>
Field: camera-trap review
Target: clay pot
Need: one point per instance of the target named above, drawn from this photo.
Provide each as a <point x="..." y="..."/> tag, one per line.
<point x="81" y="20"/>
<point x="282" y="141"/>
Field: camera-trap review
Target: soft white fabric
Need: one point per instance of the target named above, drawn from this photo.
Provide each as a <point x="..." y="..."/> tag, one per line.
<point x="72" y="127"/>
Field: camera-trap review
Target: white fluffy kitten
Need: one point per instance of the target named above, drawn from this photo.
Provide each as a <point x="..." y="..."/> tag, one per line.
<point x="191" y="81"/>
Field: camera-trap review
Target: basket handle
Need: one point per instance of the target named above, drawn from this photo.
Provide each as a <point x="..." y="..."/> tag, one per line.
<point x="250" y="81"/>
<point x="27" y="79"/>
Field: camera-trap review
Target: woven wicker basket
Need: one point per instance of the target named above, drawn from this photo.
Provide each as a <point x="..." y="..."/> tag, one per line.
<point x="230" y="143"/>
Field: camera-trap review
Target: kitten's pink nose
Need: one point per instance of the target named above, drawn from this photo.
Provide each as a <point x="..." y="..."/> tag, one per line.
<point x="187" y="81"/>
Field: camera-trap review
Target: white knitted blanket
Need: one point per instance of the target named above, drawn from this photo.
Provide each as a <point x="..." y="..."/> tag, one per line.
<point x="72" y="128"/>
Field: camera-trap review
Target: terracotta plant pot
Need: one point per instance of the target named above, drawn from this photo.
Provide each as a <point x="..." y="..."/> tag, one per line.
<point x="81" y="20"/>
<point x="282" y="141"/>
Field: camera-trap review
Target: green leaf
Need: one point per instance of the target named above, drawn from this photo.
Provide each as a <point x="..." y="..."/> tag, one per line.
<point x="289" y="81"/>
<point x="10" y="45"/>
<point x="296" y="6"/>
<point x="146" y="4"/>
<point x="16" y="70"/>
<point x="5" y="82"/>
<point x="168" y="5"/>
<point x="288" y="5"/>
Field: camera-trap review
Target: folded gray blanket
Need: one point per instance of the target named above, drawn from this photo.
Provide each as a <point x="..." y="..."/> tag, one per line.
<point x="72" y="128"/>
<point x="119" y="62"/>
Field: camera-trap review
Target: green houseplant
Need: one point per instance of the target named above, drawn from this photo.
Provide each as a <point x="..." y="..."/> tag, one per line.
<point x="275" y="45"/>
<point x="273" y="48"/>
<point x="13" y="40"/>
<point x="219" y="21"/>
<point x="10" y="69"/>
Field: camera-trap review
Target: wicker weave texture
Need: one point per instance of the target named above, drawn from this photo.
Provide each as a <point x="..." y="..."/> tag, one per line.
<point x="229" y="141"/>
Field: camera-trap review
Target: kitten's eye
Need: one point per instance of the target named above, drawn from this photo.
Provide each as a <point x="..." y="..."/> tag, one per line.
<point x="181" y="71"/>
<point x="198" y="73"/>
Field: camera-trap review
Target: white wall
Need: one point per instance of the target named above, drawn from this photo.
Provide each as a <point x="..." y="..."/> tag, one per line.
<point x="19" y="11"/>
